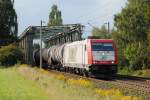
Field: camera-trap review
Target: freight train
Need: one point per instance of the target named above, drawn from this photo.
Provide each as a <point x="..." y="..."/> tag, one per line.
<point x="93" y="57"/>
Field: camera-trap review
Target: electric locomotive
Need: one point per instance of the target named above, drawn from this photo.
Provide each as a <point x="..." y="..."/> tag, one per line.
<point x="91" y="56"/>
<point x="95" y="56"/>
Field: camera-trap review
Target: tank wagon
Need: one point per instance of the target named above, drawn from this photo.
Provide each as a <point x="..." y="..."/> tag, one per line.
<point x="91" y="56"/>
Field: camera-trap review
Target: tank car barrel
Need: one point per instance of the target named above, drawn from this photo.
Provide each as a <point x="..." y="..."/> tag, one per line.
<point x="56" y="54"/>
<point x="52" y="55"/>
<point x="44" y="54"/>
<point x="36" y="56"/>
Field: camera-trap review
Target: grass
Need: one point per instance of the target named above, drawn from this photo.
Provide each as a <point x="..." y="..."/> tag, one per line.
<point x="15" y="87"/>
<point x="25" y="83"/>
<point x="142" y="73"/>
<point x="58" y="87"/>
<point x="139" y="73"/>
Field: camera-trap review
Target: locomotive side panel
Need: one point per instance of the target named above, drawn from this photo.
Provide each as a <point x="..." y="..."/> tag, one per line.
<point x="75" y="55"/>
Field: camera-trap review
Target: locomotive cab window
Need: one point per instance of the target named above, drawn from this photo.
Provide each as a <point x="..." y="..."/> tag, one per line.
<point x="102" y="47"/>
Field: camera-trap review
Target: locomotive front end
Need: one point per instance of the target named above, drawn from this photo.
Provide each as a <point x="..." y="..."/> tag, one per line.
<point x="102" y="56"/>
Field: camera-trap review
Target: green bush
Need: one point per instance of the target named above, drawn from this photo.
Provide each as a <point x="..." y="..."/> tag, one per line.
<point x="138" y="55"/>
<point x="10" y="55"/>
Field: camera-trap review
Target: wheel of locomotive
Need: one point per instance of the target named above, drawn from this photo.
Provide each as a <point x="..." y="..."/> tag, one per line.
<point x="77" y="70"/>
<point x="85" y="73"/>
<point x="70" y="70"/>
<point x="80" y="72"/>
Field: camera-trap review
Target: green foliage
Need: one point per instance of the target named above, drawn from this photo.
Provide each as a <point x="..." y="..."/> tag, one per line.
<point x="138" y="73"/>
<point x="102" y="32"/>
<point x="10" y="55"/>
<point x="142" y="73"/>
<point x="8" y="22"/>
<point x="55" y="17"/>
<point x="148" y="37"/>
<point x="137" y="55"/>
<point x="132" y="36"/>
<point x="133" y="22"/>
<point x="119" y="41"/>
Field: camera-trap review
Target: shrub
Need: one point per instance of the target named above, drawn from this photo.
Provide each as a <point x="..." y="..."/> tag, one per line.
<point x="10" y="55"/>
<point x="137" y="54"/>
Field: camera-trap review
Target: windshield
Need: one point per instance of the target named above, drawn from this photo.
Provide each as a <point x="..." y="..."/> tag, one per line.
<point x="102" y="47"/>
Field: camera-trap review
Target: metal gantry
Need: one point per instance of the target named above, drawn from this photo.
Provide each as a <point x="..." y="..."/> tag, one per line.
<point x="50" y="36"/>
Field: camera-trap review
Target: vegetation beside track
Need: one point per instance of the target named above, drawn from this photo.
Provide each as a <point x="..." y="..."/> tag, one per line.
<point x="13" y="86"/>
<point x="10" y="55"/>
<point x="138" y="73"/>
<point x="60" y="87"/>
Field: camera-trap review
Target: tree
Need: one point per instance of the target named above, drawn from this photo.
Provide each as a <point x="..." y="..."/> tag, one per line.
<point x="10" y="55"/>
<point x="55" y="17"/>
<point x="119" y="41"/>
<point x="132" y="32"/>
<point x="8" y="22"/>
<point x="148" y="37"/>
<point x="102" y="32"/>
<point x="137" y="55"/>
<point x="133" y="21"/>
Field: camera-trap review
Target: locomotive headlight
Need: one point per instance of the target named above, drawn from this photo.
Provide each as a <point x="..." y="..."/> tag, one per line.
<point x="94" y="62"/>
<point x="112" y="62"/>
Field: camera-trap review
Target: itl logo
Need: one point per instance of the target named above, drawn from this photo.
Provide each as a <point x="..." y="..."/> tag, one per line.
<point x="104" y="56"/>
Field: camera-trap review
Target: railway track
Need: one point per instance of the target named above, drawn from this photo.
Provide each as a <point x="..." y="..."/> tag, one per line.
<point x="140" y="85"/>
<point x="142" y="80"/>
<point x="128" y="84"/>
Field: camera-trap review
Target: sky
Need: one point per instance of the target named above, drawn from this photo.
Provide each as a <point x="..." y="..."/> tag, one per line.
<point x="95" y="12"/>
